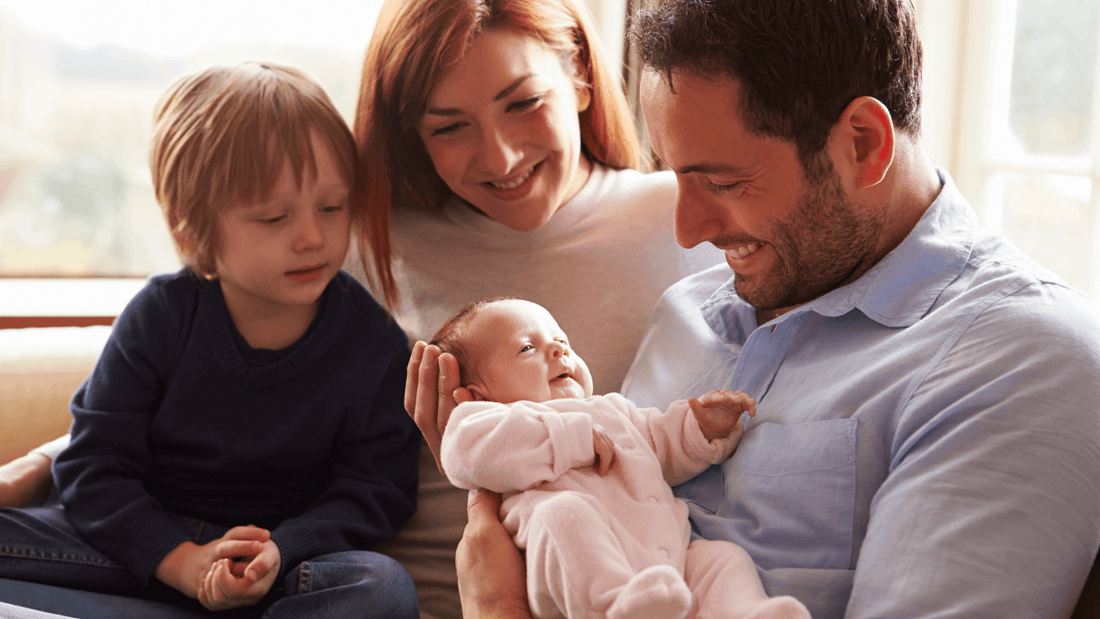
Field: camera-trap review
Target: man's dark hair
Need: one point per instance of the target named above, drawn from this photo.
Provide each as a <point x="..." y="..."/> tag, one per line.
<point x="799" y="63"/>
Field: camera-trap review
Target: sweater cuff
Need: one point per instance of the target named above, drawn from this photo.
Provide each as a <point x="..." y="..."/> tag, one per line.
<point x="146" y="542"/>
<point x="296" y="545"/>
<point x="571" y="439"/>
<point x="697" y="445"/>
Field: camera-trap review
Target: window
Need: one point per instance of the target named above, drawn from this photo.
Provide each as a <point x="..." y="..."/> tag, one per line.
<point x="1027" y="139"/>
<point x="78" y="83"/>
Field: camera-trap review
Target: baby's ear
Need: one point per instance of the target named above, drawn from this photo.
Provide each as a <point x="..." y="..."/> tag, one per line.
<point x="478" y="393"/>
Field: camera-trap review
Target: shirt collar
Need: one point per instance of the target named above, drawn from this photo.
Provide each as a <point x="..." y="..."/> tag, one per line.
<point x="896" y="292"/>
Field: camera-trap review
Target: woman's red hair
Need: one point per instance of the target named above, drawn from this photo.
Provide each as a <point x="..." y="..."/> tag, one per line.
<point x="414" y="43"/>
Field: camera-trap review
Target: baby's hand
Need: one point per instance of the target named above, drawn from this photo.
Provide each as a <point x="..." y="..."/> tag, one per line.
<point x="240" y="581"/>
<point x="604" y="448"/>
<point x="719" y="412"/>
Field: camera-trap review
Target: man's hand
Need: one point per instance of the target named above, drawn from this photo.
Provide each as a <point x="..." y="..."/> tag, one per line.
<point x="244" y="581"/>
<point x="25" y="479"/>
<point x="491" y="573"/>
<point x="604" y="448"/>
<point x="432" y="390"/>
<point x="719" y="412"/>
<point x="186" y="566"/>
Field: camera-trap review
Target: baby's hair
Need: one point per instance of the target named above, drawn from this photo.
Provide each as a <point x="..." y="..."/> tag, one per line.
<point x="451" y="337"/>
<point x="221" y="137"/>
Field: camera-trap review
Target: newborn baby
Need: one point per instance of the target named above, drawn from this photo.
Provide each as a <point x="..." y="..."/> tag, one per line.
<point x="586" y="479"/>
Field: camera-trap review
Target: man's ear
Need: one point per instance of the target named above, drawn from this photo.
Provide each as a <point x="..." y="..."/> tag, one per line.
<point x="862" y="142"/>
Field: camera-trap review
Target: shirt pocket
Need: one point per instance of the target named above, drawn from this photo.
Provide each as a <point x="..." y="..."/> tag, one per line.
<point x="788" y="495"/>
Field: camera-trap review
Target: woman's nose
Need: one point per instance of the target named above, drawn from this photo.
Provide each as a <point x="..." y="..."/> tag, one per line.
<point x="499" y="156"/>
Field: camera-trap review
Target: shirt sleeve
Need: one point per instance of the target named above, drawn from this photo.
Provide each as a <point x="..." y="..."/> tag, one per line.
<point x="99" y="475"/>
<point x="508" y="447"/>
<point x="372" y="491"/>
<point x="989" y="507"/>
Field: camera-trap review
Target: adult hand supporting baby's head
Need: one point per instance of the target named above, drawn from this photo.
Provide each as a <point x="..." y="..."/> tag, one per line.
<point x="432" y="390"/>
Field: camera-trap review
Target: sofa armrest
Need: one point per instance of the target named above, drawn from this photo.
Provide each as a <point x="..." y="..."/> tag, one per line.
<point x="39" y="371"/>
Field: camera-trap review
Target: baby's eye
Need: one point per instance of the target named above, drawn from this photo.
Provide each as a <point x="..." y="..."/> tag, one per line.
<point x="271" y="220"/>
<point x="335" y="208"/>
<point x="526" y="347"/>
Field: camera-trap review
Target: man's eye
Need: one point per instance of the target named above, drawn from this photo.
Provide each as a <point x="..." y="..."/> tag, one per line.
<point x="716" y="188"/>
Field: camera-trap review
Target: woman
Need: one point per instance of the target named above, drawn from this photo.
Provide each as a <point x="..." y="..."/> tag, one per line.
<point x="498" y="152"/>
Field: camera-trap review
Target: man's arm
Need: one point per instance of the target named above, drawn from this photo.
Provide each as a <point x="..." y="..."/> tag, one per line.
<point x="990" y="504"/>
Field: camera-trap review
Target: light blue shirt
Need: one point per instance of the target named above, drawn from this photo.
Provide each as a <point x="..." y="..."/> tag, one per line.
<point x="927" y="440"/>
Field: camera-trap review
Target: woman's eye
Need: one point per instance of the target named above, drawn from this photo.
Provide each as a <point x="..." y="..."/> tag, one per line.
<point x="523" y="104"/>
<point x="447" y="130"/>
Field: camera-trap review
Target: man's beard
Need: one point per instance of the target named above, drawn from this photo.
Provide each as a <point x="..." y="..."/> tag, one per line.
<point x="818" y="247"/>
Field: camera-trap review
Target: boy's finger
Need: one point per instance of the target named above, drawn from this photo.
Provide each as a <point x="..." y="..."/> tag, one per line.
<point x="237" y="548"/>
<point x="248" y="532"/>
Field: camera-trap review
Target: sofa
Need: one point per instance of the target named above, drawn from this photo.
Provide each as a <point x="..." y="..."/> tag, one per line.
<point x="40" y="369"/>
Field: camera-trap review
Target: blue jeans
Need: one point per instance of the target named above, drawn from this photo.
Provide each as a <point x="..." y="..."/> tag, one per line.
<point x="39" y="545"/>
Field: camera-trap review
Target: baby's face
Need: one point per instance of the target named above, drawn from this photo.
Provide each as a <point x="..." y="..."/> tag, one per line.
<point x="518" y="352"/>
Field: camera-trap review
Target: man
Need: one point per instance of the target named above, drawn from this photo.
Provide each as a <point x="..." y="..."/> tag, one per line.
<point x="927" y="440"/>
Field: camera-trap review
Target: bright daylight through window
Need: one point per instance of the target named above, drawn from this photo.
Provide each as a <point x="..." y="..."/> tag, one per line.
<point x="78" y="83"/>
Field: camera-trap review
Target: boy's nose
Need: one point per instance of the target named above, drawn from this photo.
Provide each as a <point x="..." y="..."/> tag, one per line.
<point x="309" y="234"/>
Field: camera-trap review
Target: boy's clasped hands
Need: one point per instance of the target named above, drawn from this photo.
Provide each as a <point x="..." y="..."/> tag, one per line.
<point x="237" y="569"/>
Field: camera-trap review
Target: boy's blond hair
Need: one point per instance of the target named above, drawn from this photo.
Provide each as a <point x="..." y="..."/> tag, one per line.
<point x="221" y="137"/>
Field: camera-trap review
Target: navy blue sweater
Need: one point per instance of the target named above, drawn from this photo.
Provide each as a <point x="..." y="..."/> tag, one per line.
<point x="182" y="423"/>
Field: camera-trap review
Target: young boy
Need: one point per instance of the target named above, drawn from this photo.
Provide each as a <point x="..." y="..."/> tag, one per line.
<point x="242" y="439"/>
<point x="604" y="541"/>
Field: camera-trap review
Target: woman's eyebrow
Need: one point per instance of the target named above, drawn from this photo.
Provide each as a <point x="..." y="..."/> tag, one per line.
<point x="450" y="111"/>
<point x="512" y="87"/>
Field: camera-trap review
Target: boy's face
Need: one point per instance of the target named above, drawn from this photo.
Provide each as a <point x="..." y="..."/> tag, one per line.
<point x="519" y="352"/>
<point x="281" y="252"/>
